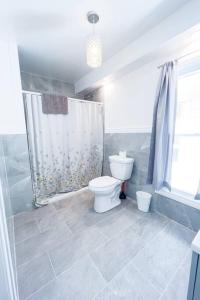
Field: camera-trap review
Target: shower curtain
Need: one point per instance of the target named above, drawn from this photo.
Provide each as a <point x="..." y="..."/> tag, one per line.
<point x="66" y="151"/>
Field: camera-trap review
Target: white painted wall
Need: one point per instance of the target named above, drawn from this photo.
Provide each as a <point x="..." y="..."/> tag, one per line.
<point x="173" y="27"/>
<point x="129" y="100"/>
<point x="12" y="119"/>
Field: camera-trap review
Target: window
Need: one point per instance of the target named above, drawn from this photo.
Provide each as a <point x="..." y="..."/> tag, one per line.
<point x="186" y="149"/>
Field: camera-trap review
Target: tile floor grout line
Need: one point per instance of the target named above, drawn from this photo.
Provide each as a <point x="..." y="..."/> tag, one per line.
<point x="176" y="222"/>
<point x="119" y="232"/>
<point x="40" y="233"/>
<point x="50" y="214"/>
<point x="75" y="262"/>
<point x="107" y="217"/>
<point x="24" y="240"/>
<point x="145" y="243"/>
<point x="106" y="281"/>
<point x="146" y="279"/>
<point x="160" y="214"/>
<point x="96" y="268"/>
<point x="107" y="286"/>
<point x="143" y="246"/>
<point x="176" y="272"/>
<point x="88" y="252"/>
<point x="32" y="294"/>
<point x="126" y="265"/>
<point x="46" y="252"/>
<point x="15" y="256"/>
<point x="100" y="221"/>
<point x="54" y="272"/>
<point x="151" y="241"/>
<point x="104" y="235"/>
<point x="122" y="270"/>
<point x="32" y="258"/>
<point x="94" y="249"/>
<point x="48" y="281"/>
<point x="34" y="221"/>
<point x="109" y="239"/>
<point x="112" y="215"/>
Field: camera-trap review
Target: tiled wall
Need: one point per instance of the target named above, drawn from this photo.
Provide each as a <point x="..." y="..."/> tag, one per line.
<point x="16" y="148"/>
<point x="18" y="171"/>
<point x="137" y="146"/>
<point x="177" y="211"/>
<point x="7" y="204"/>
<point x="97" y="95"/>
<point x="31" y="82"/>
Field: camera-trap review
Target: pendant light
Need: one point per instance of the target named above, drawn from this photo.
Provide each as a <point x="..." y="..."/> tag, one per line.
<point x="94" y="47"/>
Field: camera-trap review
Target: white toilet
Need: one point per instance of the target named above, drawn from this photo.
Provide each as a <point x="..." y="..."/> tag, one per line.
<point x="106" y="188"/>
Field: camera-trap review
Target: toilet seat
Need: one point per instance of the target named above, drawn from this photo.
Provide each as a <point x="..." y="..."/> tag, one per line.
<point x="104" y="182"/>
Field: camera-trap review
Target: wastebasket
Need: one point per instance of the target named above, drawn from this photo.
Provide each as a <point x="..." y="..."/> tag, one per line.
<point x="143" y="200"/>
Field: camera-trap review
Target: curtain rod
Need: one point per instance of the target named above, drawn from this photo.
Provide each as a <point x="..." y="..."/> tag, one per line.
<point x="180" y="57"/>
<point x="69" y="98"/>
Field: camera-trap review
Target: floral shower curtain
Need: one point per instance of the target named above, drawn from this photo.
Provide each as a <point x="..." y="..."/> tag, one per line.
<point x="66" y="151"/>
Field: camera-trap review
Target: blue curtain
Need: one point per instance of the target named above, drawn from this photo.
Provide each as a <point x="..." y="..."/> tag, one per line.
<point x="161" y="147"/>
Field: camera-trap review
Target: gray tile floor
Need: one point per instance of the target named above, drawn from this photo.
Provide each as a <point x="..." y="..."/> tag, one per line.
<point x="67" y="251"/>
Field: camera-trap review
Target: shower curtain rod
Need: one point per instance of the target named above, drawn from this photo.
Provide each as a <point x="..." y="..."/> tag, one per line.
<point x="69" y="98"/>
<point x="180" y="57"/>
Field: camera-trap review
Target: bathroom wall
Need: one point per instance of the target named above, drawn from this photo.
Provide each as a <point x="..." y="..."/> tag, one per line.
<point x="12" y="129"/>
<point x="13" y="132"/>
<point x="16" y="148"/>
<point x="37" y="83"/>
<point x="177" y="211"/>
<point x="137" y="146"/>
<point x="129" y="101"/>
<point x="18" y="171"/>
<point x="96" y="95"/>
<point x="128" y="106"/>
<point x="8" y="209"/>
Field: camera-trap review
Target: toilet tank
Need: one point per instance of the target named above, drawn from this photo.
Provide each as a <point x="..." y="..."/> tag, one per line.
<point x="121" y="167"/>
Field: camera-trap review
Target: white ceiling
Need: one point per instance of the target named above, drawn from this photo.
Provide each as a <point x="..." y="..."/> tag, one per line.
<point x="52" y="34"/>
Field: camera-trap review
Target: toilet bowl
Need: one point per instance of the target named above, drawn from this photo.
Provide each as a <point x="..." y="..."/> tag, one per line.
<point x="106" y="191"/>
<point x="107" y="188"/>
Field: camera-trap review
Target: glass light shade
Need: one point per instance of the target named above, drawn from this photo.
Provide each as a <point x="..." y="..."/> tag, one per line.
<point x="94" y="52"/>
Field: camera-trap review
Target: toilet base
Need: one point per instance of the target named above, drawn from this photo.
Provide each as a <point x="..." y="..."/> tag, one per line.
<point x="101" y="208"/>
<point x="104" y="202"/>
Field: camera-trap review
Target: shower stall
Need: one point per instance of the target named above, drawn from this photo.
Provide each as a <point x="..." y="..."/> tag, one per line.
<point x="65" y="150"/>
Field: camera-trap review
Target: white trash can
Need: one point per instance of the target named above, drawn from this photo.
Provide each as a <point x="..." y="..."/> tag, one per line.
<point x="143" y="200"/>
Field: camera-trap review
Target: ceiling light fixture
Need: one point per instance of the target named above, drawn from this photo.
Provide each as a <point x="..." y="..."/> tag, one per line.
<point x="94" y="47"/>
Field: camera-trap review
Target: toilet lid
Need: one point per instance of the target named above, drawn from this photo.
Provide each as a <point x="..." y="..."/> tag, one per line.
<point x="104" y="181"/>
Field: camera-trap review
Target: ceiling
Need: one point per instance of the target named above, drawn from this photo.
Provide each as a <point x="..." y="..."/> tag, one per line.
<point x="52" y="34"/>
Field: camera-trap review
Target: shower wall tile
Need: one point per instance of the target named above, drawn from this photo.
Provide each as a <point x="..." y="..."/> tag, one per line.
<point x="4" y="183"/>
<point x="137" y="146"/>
<point x="183" y="214"/>
<point x="7" y="205"/>
<point x="18" y="171"/>
<point x="36" y="83"/>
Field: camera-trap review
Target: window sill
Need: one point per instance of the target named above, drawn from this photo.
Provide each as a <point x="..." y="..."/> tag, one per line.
<point x="187" y="200"/>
